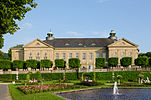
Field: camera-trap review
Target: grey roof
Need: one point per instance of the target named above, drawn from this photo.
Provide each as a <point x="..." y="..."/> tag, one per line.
<point x="79" y="42"/>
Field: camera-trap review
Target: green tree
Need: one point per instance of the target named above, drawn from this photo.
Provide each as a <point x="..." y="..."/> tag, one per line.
<point x="45" y="63"/>
<point x="126" y="61"/>
<point x="5" y="64"/>
<point x="113" y="61"/>
<point x="75" y="63"/>
<point x="141" y="61"/>
<point x="18" y="64"/>
<point x="10" y="12"/>
<point x="141" y="54"/>
<point x="100" y="62"/>
<point x="149" y="61"/>
<point x="1" y="55"/>
<point x="148" y="54"/>
<point x="60" y="63"/>
<point x="31" y="63"/>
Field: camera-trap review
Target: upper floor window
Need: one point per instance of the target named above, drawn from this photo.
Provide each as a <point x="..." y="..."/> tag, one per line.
<point x="64" y="56"/>
<point x="130" y="54"/>
<point x="45" y="57"/>
<point x="77" y="55"/>
<point x="104" y="55"/>
<point x="30" y="55"/>
<point x="97" y="54"/>
<point x="122" y="54"/>
<point x="115" y="54"/>
<point x="90" y="56"/>
<point x="57" y="55"/>
<point x="84" y="56"/>
<point x="70" y="55"/>
<point x="38" y="58"/>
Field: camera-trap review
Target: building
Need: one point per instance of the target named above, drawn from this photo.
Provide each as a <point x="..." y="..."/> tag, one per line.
<point x="86" y="49"/>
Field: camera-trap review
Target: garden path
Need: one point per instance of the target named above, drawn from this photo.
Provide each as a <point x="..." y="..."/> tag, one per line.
<point x="4" y="92"/>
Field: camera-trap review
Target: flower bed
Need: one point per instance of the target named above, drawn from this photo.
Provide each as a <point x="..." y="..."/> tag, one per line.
<point x="41" y="88"/>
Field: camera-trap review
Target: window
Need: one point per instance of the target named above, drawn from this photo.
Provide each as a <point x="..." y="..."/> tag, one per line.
<point x="67" y="44"/>
<point x="122" y="55"/>
<point x="130" y="54"/>
<point x="90" y="56"/>
<point x="115" y="54"/>
<point x="97" y="55"/>
<point x="30" y="55"/>
<point x="104" y="55"/>
<point x="77" y="55"/>
<point x="45" y="57"/>
<point x="84" y="56"/>
<point x="80" y="44"/>
<point x="64" y="56"/>
<point x="38" y="56"/>
<point x="93" y="44"/>
<point x="70" y="55"/>
<point x="57" y="55"/>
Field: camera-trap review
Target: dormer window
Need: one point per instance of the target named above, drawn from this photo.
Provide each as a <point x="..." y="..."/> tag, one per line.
<point x="93" y="44"/>
<point x="67" y="44"/>
<point x="80" y="44"/>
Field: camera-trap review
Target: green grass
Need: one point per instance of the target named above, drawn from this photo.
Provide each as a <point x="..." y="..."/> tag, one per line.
<point x="18" y="95"/>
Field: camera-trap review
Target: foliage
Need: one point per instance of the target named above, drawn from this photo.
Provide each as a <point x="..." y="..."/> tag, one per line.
<point x="12" y="11"/>
<point x="100" y="62"/>
<point x="28" y="76"/>
<point x="60" y="63"/>
<point x="74" y="63"/>
<point x="141" y="54"/>
<point x="1" y="55"/>
<point x="149" y="61"/>
<point x="45" y="63"/>
<point x="119" y="77"/>
<point x="113" y="61"/>
<point x="31" y="63"/>
<point x="93" y="83"/>
<point x="7" y="77"/>
<point x="141" y="61"/>
<point x="39" y="77"/>
<point x="5" y="64"/>
<point x="18" y="64"/>
<point x="126" y="61"/>
<point x="148" y="54"/>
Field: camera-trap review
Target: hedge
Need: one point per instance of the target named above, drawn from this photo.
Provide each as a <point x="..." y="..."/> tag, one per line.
<point x="126" y="61"/>
<point x="18" y="64"/>
<point x="141" y="61"/>
<point x="100" y="62"/>
<point x="5" y="64"/>
<point x="74" y="63"/>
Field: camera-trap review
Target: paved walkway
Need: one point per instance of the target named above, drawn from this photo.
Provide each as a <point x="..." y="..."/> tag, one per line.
<point x="4" y="92"/>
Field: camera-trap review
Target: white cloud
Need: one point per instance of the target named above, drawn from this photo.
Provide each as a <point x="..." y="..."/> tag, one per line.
<point x="75" y="33"/>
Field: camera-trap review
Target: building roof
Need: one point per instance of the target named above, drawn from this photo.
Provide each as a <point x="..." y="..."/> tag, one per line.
<point x="79" y="42"/>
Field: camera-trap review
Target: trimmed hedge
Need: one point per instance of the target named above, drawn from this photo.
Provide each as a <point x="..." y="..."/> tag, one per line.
<point x="5" y="64"/>
<point x="141" y="61"/>
<point x="32" y="64"/>
<point x="100" y="62"/>
<point x="45" y="63"/>
<point x="7" y="77"/>
<point x="18" y="64"/>
<point x="113" y="61"/>
<point x="126" y="61"/>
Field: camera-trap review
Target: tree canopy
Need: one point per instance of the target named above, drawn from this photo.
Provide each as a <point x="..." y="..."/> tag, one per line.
<point x="10" y="12"/>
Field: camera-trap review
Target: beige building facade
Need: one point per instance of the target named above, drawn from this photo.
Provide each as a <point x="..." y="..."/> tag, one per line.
<point x="86" y="49"/>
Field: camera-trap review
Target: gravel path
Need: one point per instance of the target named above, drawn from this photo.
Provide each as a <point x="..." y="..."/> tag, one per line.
<point x="4" y="92"/>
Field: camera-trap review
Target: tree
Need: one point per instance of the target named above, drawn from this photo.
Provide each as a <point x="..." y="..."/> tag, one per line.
<point x="5" y="64"/>
<point x="1" y="55"/>
<point x="113" y="61"/>
<point x="149" y="61"/>
<point x="60" y="63"/>
<point x="10" y="53"/>
<point x="126" y="61"/>
<point x="75" y="63"/>
<point x="100" y="62"/>
<point x="18" y="64"/>
<point x="45" y="63"/>
<point x="10" y="12"/>
<point x="148" y="54"/>
<point x="141" y="54"/>
<point x="141" y="61"/>
<point x="31" y="63"/>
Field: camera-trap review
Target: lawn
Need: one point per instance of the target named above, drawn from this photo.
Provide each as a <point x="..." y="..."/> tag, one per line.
<point x="18" y="95"/>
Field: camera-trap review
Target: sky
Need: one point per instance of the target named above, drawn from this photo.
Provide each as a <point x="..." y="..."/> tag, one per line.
<point x="131" y="19"/>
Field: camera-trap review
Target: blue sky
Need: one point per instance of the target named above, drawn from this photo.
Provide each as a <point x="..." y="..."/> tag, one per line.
<point x="130" y="19"/>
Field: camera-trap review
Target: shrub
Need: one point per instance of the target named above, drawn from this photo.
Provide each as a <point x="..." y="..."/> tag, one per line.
<point x="100" y="62"/>
<point x="74" y="63"/>
<point x="60" y="63"/>
<point x="5" y="64"/>
<point x="149" y="61"/>
<point x="113" y="61"/>
<point x="93" y="83"/>
<point x="31" y="63"/>
<point x="141" y="61"/>
<point x="45" y="63"/>
<point x="126" y="61"/>
<point x="18" y="64"/>
<point x="39" y="77"/>
<point x="7" y="77"/>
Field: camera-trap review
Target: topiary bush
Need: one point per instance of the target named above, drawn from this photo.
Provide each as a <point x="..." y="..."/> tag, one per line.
<point x="60" y="63"/>
<point x="113" y="61"/>
<point x="45" y="63"/>
<point x="126" y="61"/>
<point x="18" y="64"/>
<point x="5" y="64"/>
<point x="31" y="63"/>
<point x="74" y="63"/>
<point x="100" y="62"/>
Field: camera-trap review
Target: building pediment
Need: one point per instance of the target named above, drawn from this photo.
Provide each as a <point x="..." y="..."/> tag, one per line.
<point x="37" y="43"/>
<point x="122" y="43"/>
